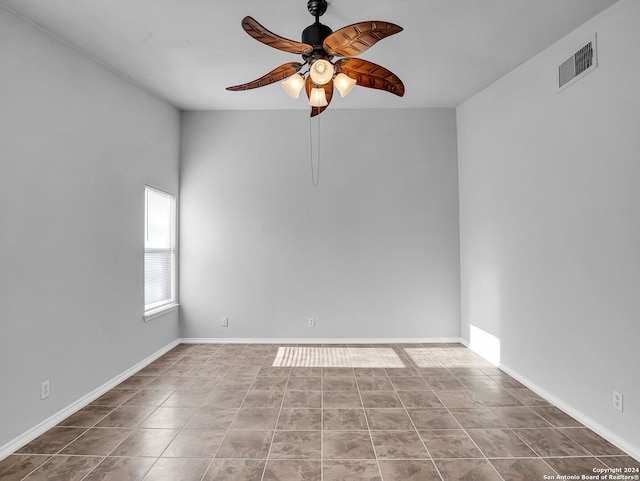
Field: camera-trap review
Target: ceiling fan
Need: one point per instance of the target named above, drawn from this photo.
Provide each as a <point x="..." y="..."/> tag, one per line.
<point x="318" y="48"/>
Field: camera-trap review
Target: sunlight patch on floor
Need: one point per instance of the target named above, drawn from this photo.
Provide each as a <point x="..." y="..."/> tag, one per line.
<point x="361" y="357"/>
<point x="445" y="357"/>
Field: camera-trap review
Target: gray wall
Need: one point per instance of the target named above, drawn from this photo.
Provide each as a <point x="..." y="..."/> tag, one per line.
<point x="549" y="209"/>
<point x="77" y="145"/>
<point x="372" y="252"/>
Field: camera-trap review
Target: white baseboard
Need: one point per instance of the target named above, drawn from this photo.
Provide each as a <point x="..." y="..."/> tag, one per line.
<point x="329" y="340"/>
<point x="633" y="451"/>
<point x="52" y="421"/>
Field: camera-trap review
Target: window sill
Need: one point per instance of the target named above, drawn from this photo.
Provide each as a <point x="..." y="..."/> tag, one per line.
<point x="160" y="311"/>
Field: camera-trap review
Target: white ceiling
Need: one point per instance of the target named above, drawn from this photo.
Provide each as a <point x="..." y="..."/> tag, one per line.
<point x="188" y="51"/>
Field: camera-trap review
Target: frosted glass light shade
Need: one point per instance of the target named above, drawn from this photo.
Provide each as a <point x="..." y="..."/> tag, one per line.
<point x="321" y="71"/>
<point x="344" y="84"/>
<point x="293" y="85"/>
<point x="317" y="98"/>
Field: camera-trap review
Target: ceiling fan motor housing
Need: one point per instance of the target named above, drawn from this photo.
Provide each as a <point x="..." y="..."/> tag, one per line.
<point x="314" y="35"/>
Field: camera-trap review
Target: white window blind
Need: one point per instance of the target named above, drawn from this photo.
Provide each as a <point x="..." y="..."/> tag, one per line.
<point x="159" y="249"/>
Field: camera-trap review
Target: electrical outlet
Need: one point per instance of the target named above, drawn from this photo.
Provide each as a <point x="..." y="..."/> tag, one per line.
<point x="617" y="400"/>
<point x="312" y="322"/>
<point x="44" y="389"/>
<point x="225" y="322"/>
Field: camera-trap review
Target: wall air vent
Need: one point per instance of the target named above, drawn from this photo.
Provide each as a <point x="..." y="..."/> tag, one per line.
<point x="578" y="65"/>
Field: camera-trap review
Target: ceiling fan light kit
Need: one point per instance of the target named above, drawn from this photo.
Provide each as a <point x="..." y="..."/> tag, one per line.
<point x="317" y="97"/>
<point x="344" y="84"/>
<point x="293" y="85"/>
<point x="319" y="46"/>
<point x="321" y="71"/>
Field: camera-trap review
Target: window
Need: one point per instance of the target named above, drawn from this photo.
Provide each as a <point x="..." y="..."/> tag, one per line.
<point x="159" y="252"/>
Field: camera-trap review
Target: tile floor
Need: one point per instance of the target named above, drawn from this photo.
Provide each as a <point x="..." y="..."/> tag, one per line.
<point x="253" y="412"/>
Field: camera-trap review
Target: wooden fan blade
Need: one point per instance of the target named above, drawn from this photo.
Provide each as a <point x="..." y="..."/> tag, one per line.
<point x="280" y="73"/>
<point x="355" y="39"/>
<point x="368" y="74"/>
<point x="263" y="35"/>
<point x="328" y="92"/>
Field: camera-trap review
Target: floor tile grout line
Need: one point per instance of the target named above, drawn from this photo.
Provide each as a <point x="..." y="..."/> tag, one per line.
<point x="322" y="425"/>
<point x="59" y="452"/>
<point x="38" y="467"/>
<point x="275" y="427"/>
<point x="93" y="469"/>
<point x="105" y="427"/>
<point x="550" y="467"/>
<point x="561" y="428"/>
<point x="465" y="431"/>
<point x="550" y="457"/>
<point x="183" y="427"/>
<point x="508" y="428"/>
<point x="418" y="432"/>
<point x="174" y="437"/>
<point x="366" y="419"/>
<point x="535" y="451"/>
<point x="472" y="440"/>
<point x="213" y="457"/>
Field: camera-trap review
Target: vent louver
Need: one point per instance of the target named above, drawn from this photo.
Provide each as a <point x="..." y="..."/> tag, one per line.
<point x="578" y="65"/>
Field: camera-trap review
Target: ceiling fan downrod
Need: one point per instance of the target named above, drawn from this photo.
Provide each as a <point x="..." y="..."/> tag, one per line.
<point x="316" y="33"/>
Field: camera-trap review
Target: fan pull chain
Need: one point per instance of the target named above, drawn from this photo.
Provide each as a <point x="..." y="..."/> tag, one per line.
<point x="315" y="179"/>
